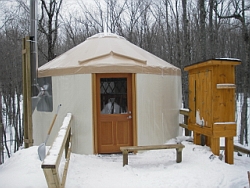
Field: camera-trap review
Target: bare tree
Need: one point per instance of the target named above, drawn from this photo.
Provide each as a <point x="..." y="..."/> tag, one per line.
<point x="186" y="59"/>
<point x="12" y="30"/>
<point x="240" y="9"/>
<point x="133" y="14"/>
<point x="95" y="17"/>
<point x="202" y="29"/>
<point x="49" y="24"/>
<point x="114" y="12"/>
<point x="1" y="130"/>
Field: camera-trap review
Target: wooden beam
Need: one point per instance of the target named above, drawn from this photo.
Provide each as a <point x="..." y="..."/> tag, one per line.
<point x="178" y="155"/>
<point x="183" y="126"/>
<point x="238" y="148"/>
<point x="225" y="86"/>
<point x="215" y="145"/>
<point x="242" y="149"/>
<point x="94" y="104"/>
<point x="248" y="173"/>
<point x="27" y="106"/>
<point x="197" y="138"/>
<point x="152" y="147"/>
<point x="134" y="112"/>
<point x="184" y="112"/>
<point x="65" y="171"/>
<point x="229" y="150"/>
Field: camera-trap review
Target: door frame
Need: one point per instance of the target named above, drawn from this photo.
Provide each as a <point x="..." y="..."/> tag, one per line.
<point x="94" y="107"/>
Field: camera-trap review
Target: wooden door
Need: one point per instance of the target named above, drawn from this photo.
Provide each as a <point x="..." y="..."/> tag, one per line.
<point x="192" y="95"/>
<point x="203" y="98"/>
<point x="114" y="112"/>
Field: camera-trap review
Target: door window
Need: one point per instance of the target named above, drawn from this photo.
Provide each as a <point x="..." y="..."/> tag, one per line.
<point x="113" y="93"/>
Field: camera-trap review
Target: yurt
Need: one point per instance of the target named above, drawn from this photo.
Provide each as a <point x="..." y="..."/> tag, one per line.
<point x="118" y="94"/>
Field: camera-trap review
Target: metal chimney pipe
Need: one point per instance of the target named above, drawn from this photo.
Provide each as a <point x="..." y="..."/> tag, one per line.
<point x="34" y="51"/>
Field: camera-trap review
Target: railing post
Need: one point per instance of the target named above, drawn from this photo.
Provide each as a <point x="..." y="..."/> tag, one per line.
<point x="185" y="113"/>
<point x="67" y="143"/>
<point x="187" y="132"/>
<point x="248" y="173"/>
<point x="51" y="162"/>
<point x="178" y="155"/>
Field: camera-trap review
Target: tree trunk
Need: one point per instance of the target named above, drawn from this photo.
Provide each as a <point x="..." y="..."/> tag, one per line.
<point x="49" y="26"/>
<point x="1" y="132"/>
<point x="246" y="39"/>
<point x="211" y="31"/>
<point x="186" y="60"/>
<point x="243" y="132"/>
<point x="202" y="30"/>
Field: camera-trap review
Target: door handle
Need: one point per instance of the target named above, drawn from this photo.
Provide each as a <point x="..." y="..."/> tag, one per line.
<point x="129" y="117"/>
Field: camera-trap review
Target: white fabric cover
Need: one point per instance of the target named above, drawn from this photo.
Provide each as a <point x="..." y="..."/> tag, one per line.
<point x="107" y="53"/>
<point x="75" y="98"/>
<point x="158" y="104"/>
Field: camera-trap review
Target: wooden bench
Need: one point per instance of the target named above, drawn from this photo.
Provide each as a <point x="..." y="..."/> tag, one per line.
<point x="125" y="150"/>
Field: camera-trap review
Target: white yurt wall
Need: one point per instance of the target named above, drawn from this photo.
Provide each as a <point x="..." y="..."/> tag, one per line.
<point x="158" y="103"/>
<point x="74" y="92"/>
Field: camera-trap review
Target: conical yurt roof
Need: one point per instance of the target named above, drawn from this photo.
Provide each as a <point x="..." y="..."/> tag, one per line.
<point x="106" y="53"/>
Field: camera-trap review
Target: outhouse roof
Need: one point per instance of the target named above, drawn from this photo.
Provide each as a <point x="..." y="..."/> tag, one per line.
<point x="213" y="62"/>
<point x="106" y="53"/>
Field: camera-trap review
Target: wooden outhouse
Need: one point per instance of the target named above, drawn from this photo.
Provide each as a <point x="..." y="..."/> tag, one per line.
<point x="212" y="103"/>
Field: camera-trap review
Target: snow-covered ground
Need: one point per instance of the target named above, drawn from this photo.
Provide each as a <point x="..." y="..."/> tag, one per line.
<point x="156" y="168"/>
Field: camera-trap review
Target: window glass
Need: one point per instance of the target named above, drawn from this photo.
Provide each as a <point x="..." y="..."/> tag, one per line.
<point x="113" y="95"/>
<point x="43" y="100"/>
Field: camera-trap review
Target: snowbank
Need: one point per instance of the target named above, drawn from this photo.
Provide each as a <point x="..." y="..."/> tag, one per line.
<point x="156" y="168"/>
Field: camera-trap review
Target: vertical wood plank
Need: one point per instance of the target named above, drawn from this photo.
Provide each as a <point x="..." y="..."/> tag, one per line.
<point x="125" y="157"/>
<point x="197" y="138"/>
<point x="187" y="132"/>
<point x="191" y="118"/>
<point x="52" y="178"/>
<point x="134" y="113"/>
<point x="25" y="117"/>
<point x="65" y="171"/>
<point x="208" y="99"/>
<point x="178" y="155"/>
<point x="215" y="145"/>
<point x="229" y="150"/>
<point x="94" y="104"/>
<point x="248" y="173"/>
<point x="27" y="106"/>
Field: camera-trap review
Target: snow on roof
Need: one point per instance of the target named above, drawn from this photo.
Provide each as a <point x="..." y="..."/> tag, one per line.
<point x="106" y="34"/>
<point x="229" y="59"/>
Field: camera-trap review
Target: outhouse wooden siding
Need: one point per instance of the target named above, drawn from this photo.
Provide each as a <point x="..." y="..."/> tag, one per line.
<point x="212" y="100"/>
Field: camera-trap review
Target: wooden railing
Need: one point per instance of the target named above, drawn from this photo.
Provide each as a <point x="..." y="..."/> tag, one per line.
<point x="184" y="125"/>
<point x="239" y="148"/>
<point x="56" y="178"/>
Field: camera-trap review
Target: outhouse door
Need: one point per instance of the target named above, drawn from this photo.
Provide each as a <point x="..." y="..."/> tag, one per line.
<point x="200" y="96"/>
<point x="114" y="112"/>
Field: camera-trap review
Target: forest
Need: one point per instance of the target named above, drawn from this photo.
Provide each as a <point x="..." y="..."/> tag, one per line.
<point x="181" y="32"/>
